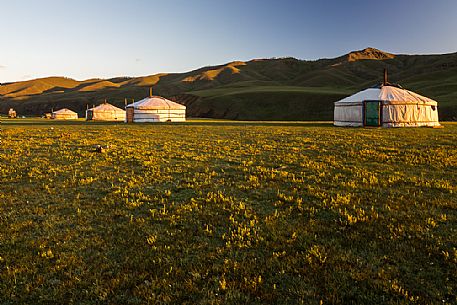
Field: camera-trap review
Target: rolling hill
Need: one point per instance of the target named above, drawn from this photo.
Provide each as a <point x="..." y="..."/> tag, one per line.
<point x="260" y="89"/>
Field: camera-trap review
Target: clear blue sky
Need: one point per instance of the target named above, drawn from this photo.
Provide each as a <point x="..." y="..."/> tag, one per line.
<point x="100" y="38"/>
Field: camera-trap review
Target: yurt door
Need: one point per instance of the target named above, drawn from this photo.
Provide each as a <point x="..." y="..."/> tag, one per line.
<point x="130" y="114"/>
<point x="372" y="113"/>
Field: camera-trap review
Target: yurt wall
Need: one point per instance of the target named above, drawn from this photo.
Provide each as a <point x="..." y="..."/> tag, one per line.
<point x="155" y="109"/>
<point x="64" y="114"/>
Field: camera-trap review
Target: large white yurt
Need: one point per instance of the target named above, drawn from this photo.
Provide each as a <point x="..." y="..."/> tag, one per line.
<point x="155" y="109"/>
<point x="386" y="105"/>
<point x="64" y="114"/>
<point x="105" y="112"/>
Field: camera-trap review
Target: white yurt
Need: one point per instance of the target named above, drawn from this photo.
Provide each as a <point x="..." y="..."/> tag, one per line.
<point x="12" y="113"/>
<point x="155" y="109"/>
<point x="105" y="112"/>
<point x="386" y="105"/>
<point x="64" y="114"/>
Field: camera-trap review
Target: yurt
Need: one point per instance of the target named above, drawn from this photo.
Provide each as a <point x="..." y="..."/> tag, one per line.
<point x="12" y="113"/>
<point x="105" y="112"/>
<point x="386" y="105"/>
<point x="64" y="114"/>
<point x="155" y="109"/>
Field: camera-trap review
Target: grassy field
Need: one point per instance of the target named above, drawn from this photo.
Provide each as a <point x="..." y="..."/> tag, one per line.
<point x="227" y="212"/>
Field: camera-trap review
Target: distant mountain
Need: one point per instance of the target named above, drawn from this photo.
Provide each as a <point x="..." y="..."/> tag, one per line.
<point x="264" y="89"/>
<point x="369" y="53"/>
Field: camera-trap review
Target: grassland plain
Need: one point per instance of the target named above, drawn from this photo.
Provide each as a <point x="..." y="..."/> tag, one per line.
<point x="222" y="212"/>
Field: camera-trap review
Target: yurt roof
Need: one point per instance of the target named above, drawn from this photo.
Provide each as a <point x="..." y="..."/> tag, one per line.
<point x="64" y="111"/>
<point x="389" y="93"/>
<point x="106" y="107"/>
<point x="156" y="102"/>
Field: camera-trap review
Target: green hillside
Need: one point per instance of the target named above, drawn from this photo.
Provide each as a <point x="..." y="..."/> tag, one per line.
<point x="251" y="102"/>
<point x="267" y="89"/>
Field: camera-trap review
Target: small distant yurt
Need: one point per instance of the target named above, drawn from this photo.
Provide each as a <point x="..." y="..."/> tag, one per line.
<point x="64" y="114"/>
<point x="12" y="113"/>
<point x="105" y="112"/>
<point x="155" y="109"/>
<point x="386" y="105"/>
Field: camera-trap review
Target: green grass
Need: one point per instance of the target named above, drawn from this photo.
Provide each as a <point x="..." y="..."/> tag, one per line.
<point x="227" y="212"/>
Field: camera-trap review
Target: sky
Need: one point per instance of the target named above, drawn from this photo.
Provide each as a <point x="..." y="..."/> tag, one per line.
<point x="85" y="39"/>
